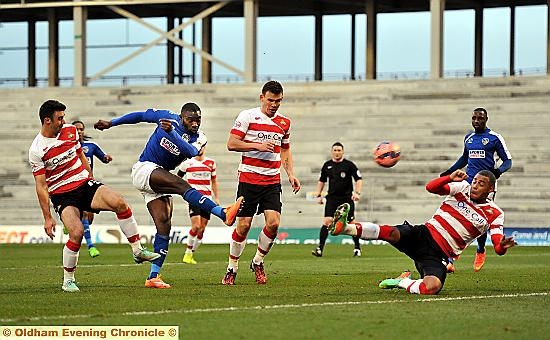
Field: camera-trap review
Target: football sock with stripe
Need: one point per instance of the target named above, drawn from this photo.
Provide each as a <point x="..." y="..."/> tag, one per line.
<point x="87" y="234"/>
<point x="160" y="245"/>
<point x="236" y="248"/>
<point x="70" y="259"/>
<point x="265" y="242"/>
<point x="196" y="199"/>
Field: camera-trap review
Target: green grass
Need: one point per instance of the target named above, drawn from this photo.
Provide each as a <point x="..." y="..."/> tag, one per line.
<point x="306" y="297"/>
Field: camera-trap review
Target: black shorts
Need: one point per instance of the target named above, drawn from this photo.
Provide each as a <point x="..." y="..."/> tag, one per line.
<point x="81" y="198"/>
<point x="333" y="203"/>
<point x="258" y="198"/>
<point x="417" y="242"/>
<point x="194" y="211"/>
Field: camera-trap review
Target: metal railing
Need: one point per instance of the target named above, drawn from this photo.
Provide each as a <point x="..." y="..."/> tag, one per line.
<point x="156" y="79"/>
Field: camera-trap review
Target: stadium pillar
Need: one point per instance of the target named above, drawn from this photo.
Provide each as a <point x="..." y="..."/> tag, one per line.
<point x="250" y="34"/>
<point x="318" y="47"/>
<point x="80" y="15"/>
<point x="478" y="42"/>
<point x="170" y="46"/>
<point x="371" y="40"/>
<point x="180" y="52"/>
<point x="206" y="69"/>
<point x="437" y="8"/>
<point x="512" y="39"/>
<point x="53" y="48"/>
<point x="352" y="61"/>
<point x="548" y="37"/>
<point x="31" y="60"/>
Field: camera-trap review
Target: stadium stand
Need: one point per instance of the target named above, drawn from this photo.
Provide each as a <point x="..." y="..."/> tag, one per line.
<point x="427" y="118"/>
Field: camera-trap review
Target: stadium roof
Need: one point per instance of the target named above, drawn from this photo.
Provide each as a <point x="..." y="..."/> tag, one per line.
<point x="24" y="10"/>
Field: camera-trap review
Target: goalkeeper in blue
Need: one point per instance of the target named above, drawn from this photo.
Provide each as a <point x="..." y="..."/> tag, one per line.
<point x="482" y="148"/>
<point x="175" y="139"/>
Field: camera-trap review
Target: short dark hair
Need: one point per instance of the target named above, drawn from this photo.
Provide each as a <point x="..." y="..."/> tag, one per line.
<point x="489" y="175"/>
<point x="272" y="86"/>
<point x="78" y="122"/>
<point x="480" y="109"/>
<point x="190" y="107"/>
<point x="338" y="144"/>
<point x="48" y="108"/>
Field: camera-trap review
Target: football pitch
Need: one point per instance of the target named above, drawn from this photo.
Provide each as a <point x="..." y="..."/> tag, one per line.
<point x="336" y="296"/>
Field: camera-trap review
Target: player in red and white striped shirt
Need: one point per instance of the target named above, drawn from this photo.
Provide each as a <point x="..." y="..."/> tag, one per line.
<point x="200" y="173"/>
<point x="262" y="134"/>
<point x="463" y="216"/>
<point x="62" y="174"/>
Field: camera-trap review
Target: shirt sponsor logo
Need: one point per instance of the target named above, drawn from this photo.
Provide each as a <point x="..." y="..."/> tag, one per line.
<point x="57" y="160"/>
<point x="200" y="175"/>
<point x="268" y="136"/>
<point x="169" y="146"/>
<point x="476" y="154"/>
<point x="470" y="214"/>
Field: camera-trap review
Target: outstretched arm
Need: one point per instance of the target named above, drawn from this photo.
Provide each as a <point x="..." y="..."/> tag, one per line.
<point x="440" y="185"/>
<point x="501" y="243"/>
<point x="149" y="116"/>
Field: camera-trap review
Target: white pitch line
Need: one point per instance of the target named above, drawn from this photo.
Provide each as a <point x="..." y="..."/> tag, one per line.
<point x="267" y="307"/>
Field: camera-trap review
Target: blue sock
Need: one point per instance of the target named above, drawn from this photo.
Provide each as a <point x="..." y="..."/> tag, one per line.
<point x="160" y="244"/>
<point x="202" y="202"/>
<point x="481" y="240"/>
<point x="87" y="234"/>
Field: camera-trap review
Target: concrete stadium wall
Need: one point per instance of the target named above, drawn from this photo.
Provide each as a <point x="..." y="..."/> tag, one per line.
<point x="427" y="118"/>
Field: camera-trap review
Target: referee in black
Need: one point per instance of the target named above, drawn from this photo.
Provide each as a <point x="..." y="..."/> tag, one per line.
<point x="340" y="173"/>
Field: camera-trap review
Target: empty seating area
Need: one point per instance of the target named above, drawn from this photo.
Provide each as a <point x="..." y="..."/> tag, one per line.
<point x="427" y="118"/>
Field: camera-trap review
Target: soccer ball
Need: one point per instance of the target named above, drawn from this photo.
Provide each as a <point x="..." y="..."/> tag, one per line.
<point x="386" y="154"/>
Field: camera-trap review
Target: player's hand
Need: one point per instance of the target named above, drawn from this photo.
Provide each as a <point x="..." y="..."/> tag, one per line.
<point x="355" y="197"/>
<point x="508" y="242"/>
<point x="102" y="125"/>
<point x="266" y="146"/>
<point x="166" y="125"/>
<point x="458" y="176"/>
<point x="49" y="227"/>
<point x="295" y="184"/>
<point x="320" y="199"/>
<point x="107" y="158"/>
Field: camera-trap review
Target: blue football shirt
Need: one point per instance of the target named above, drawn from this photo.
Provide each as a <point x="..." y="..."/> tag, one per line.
<point x="165" y="149"/>
<point x="481" y="151"/>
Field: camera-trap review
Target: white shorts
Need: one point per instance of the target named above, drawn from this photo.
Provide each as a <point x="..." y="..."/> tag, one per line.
<point x="141" y="172"/>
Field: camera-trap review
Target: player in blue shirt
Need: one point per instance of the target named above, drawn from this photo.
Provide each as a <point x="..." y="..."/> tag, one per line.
<point x="481" y="149"/>
<point x="90" y="150"/>
<point x="176" y="138"/>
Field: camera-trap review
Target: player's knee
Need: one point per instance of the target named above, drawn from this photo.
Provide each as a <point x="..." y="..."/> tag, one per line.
<point x="119" y="204"/>
<point x="432" y="286"/>
<point x="394" y="235"/>
<point x="76" y="235"/>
